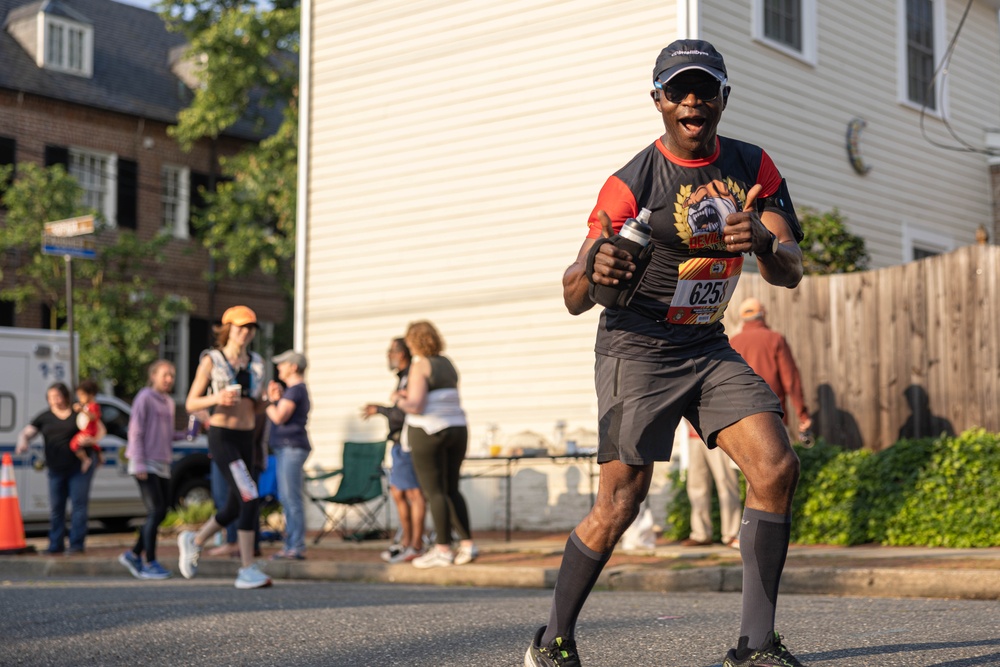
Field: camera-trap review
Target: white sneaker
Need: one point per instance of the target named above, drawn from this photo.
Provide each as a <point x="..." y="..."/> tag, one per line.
<point x="466" y="555"/>
<point x="252" y="577"/>
<point x="189" y="552"/>
<point x="434" y="558"/>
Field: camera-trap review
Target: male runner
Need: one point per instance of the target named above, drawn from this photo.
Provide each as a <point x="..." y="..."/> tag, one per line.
<point x="665" y="355"/>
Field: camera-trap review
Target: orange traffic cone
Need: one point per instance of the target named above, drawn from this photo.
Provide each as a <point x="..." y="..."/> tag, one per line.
<point x="11" y="525"/>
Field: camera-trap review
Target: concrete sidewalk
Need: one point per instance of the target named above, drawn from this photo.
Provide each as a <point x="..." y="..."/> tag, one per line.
<point x="531" y="560"/>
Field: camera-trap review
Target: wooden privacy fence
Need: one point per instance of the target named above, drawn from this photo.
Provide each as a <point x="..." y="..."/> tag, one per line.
<point x="910" y="350"/>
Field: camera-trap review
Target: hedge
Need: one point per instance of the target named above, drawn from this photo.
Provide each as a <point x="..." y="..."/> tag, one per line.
<point x="942" y="492"/>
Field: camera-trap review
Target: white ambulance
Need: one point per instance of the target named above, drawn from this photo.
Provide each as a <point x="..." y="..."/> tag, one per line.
<point x="30" y="361"/>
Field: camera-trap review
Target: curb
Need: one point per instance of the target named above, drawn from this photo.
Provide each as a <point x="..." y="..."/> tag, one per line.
<point x="863" y="582"/>
<point x="848" y="582"/>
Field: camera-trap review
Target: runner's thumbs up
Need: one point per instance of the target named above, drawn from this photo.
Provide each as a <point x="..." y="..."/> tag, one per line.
<point x="752" y="195"/>
<point x="606" y="230"/>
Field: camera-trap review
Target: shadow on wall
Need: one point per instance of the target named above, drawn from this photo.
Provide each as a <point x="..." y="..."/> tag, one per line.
<point x="922" y="423"/>
<point x="836" y="426"/>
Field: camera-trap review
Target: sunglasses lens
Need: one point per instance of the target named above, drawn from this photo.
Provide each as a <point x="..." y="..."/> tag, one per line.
<point x="705" y="91"/>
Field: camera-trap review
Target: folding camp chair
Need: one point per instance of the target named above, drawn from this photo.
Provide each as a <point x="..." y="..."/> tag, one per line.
<point x="362" y="494"/>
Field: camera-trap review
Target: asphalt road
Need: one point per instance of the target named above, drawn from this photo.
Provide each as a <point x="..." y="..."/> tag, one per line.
<point x="207" y="622"/>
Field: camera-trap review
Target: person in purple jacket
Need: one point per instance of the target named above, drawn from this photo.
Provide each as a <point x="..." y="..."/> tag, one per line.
<point x="149" y="452"/>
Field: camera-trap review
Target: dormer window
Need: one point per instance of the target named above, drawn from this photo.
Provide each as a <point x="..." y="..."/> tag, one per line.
<point x="69" y="46"/>
<point x="57" y="37"/>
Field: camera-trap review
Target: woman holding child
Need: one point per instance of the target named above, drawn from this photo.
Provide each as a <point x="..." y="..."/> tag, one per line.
<point x="67" y="479"/>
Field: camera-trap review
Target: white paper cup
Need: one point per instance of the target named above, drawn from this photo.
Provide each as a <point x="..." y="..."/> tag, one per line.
<point x="235" y="389"/>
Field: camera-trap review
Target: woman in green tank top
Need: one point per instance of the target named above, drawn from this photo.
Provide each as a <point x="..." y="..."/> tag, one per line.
<point x="438" y="437"/>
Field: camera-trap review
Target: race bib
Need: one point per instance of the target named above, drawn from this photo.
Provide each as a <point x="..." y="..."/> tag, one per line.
<point x="704" y="287"/>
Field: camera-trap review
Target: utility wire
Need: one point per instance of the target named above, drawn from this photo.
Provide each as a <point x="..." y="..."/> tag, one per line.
<point x="942" y="71"/>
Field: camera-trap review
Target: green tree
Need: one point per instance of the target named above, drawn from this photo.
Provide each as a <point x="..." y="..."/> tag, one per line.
<point x="828" y="246"/>
<point x="248" y="69"/>
<point x="117" y="315"/>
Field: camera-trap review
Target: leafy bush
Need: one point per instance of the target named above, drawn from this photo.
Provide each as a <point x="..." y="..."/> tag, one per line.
<point x="921" y="492"/>
<point x="828" y="246"/>
<point x="194" y="514"/>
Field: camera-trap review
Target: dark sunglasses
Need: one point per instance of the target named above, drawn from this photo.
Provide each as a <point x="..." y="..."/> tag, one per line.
<point x="706" y="91"/>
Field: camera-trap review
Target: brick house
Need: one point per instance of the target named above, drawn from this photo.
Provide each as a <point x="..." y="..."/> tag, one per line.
<point x="94" y="85"/>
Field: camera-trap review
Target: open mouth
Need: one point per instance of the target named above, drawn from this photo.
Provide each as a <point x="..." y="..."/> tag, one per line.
<point x="693" y="124"/>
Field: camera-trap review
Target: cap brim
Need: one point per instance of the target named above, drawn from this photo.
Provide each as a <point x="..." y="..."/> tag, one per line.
<point x="667" y="74"/>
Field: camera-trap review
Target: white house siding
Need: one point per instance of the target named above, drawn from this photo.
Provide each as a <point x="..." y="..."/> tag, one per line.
<point x="799" y="113"/>
<point x="457" y="149"/>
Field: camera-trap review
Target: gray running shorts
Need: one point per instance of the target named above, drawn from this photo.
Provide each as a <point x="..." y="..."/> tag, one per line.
<point x="641" y="402"/>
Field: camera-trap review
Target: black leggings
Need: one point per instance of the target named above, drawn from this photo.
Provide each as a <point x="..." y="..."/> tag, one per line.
<point x="226" y="445"/>
<point x="155" y="492"/>
<point x="437" y="460"/>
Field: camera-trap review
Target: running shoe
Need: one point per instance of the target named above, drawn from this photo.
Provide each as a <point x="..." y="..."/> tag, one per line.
<point x="153" y="570"/>
<point x="132" y="562"/>
<point x="434" y="558"/>
<point x="772" y="654"/>
<point x="390" y="553"/>
<point x="560" y="652"/>
<point x="252" y="577"/>
<point x="189" y="552"/>
<point x="466" y="555"/>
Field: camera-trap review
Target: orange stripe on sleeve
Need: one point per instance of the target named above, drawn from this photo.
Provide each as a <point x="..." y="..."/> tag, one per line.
<point x="615" y="199"/>
<point x="768" y="176"/>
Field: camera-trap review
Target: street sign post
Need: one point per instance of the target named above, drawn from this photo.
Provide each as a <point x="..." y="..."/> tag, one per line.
<point x="64" y="237"/>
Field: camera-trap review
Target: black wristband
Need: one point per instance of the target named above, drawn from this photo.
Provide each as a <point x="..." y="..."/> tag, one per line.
<point x="590" y="258"/>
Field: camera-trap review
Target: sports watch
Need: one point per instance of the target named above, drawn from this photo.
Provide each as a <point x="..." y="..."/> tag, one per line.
<point x="772" y="246"/>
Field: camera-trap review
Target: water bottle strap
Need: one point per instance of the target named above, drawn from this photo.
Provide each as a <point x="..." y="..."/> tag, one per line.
<point x="591" y="255"/>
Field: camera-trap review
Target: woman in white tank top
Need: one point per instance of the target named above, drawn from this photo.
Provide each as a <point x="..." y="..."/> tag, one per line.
<point x="229" y="384"/>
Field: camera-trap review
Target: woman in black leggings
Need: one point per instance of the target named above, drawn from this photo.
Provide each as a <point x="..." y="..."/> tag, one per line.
<point x="233" y="377"/>
<point x="150" y="453"/>
<point x="436" y="433"/>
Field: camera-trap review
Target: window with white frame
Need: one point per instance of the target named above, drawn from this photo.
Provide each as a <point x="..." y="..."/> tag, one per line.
<point x="921" y="42"/>
<point x="68" y="46"/>
<point x="95" y="172"/>
<point x="174" y="348"/>
<point x="788" y="26"/>
<point x="174" y="200"/>
<point x="919" y="243"/>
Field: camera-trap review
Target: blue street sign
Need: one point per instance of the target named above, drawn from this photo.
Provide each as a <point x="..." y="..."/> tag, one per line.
<point x="72" y="246"/>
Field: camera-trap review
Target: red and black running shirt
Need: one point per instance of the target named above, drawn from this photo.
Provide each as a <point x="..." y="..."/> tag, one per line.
<point x="684" y="291"/>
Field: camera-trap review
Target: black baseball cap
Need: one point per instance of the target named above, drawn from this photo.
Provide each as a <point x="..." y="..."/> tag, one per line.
<point x="688" y="54"/>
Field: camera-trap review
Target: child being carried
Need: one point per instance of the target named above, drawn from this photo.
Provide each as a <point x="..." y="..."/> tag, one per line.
<point x="88" y="416"/>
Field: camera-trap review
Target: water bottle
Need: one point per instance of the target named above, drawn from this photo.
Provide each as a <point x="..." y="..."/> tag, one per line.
<point x="193" y="427"/>
<point x="635" y="234"/>
<point x="633" y="238"/>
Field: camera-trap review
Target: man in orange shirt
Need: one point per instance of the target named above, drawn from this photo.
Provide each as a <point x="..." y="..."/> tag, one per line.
<point x="770" y="357"/>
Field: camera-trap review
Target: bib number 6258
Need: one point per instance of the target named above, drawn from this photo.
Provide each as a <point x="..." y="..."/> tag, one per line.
<point x="708" y="293"/>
